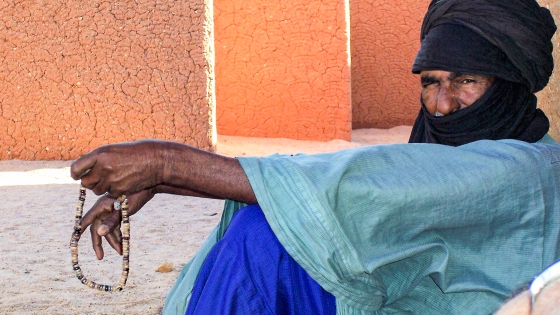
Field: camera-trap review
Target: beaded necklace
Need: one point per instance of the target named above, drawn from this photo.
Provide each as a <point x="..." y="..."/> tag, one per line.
<point x="120" y="204"/>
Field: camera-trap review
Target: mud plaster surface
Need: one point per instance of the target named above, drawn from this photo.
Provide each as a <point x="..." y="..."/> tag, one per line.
<point x="36" y="214"/>
<point x="79" y="74"/>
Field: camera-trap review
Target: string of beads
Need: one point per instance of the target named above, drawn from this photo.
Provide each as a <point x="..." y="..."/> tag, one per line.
<point x="122" y="204"/>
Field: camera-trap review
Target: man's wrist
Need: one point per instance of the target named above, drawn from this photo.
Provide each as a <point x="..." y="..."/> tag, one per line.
<point x="167" y="155"/>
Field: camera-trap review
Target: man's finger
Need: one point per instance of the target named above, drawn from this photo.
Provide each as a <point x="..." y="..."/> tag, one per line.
<point x="82" y="166"/>
<point x="93" y="183"/>
<point x="98" y="187"/>
<point x="110" y="229"/>
<point x="103" y="204"/>
<point x="109" y="223"/>
<point x="96" y="240"/>
<point x="115" y="240"/>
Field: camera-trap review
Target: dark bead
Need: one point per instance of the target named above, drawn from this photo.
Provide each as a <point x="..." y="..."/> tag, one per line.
<point x="77" y="268"/>
<point x="80" y="277"/>
<point x="106" y="288"/>
<point x="84" y="280"/>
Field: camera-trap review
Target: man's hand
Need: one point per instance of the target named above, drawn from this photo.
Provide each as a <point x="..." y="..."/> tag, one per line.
<point x="104" y="221"/>
<point x="169" y="167"/>
<point x="141" y="169"/>
<point x="123" y="168"/>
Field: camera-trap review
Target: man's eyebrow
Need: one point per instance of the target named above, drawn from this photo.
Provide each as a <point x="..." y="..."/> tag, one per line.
<point x="427" y="79"/>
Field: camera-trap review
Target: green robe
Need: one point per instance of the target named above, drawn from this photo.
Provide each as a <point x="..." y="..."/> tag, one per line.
<point x="409" y="228"/>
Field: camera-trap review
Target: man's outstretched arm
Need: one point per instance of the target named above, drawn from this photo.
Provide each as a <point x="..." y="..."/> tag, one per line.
<point x="142" y="169"/>
<point x="168" y="167"/>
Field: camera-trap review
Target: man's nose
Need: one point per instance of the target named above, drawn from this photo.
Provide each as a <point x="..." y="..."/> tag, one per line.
<point x="446" y="101"/>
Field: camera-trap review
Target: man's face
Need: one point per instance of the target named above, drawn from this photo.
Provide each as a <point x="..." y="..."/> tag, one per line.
<point x="446" y="92"/>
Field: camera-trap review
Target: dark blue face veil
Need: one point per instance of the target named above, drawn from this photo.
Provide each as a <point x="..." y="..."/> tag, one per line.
<point x="506" y="111"/>
<point x="452" y="41"/>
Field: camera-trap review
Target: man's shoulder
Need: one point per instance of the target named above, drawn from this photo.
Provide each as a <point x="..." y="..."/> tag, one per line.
<point x="547" y="139"/>
<point x="546" y="149"/>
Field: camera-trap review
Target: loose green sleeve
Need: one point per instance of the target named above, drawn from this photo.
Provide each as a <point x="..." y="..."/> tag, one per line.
<point x="416" y="228"/>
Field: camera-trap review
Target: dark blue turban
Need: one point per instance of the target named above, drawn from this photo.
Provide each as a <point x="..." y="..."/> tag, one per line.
<point x="509" y="40"/>
<point x="521" y="29"/>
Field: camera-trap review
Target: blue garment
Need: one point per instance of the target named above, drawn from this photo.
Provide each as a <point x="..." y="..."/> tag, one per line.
<point x="249" y="272"/>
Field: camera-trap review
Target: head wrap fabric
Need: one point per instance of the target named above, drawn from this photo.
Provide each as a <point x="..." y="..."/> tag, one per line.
<point x="522" y="31"/>
<point x="520" y="28"/>
<point x="456" y="48"/>
<point x="487" y="118"/>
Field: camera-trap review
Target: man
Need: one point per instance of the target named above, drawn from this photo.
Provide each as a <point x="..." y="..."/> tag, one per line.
<point x="449" y="224"/>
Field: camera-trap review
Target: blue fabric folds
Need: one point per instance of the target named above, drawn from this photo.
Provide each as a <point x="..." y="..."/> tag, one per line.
<point x="249" y="272"/>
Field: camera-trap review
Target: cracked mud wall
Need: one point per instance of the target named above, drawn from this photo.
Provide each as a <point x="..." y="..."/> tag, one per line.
<point x="549" y="98"/>
<point x="282" y="69"/>
<point x="385" y="37"/>
<point x="75" y="75"/>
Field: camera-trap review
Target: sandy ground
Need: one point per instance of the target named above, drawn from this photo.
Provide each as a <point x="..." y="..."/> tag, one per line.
<point x="37" y="204"/>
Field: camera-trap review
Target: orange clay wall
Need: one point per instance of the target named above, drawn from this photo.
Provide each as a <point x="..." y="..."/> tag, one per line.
<point x="272" y="57"/>
<point x="77" y="74"/>
<point x="385" y="36"/>
<point x="282" y="69"/>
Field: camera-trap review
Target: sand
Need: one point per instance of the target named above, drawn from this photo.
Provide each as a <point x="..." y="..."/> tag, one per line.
<point x="37" y="203"/>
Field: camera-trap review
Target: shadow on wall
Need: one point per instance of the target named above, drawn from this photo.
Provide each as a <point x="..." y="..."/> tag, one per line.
<point x="282" y="67"/>
<point x="385" y="37"/>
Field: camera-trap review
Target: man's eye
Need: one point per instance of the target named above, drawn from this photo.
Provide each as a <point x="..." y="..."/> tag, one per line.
<point x="428" y="84"/>
<point x="466" y="81"/>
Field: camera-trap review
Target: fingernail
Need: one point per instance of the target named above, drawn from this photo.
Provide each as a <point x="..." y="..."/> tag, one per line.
<point x="85" y="173"/>
<point x="102" y="230"/>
